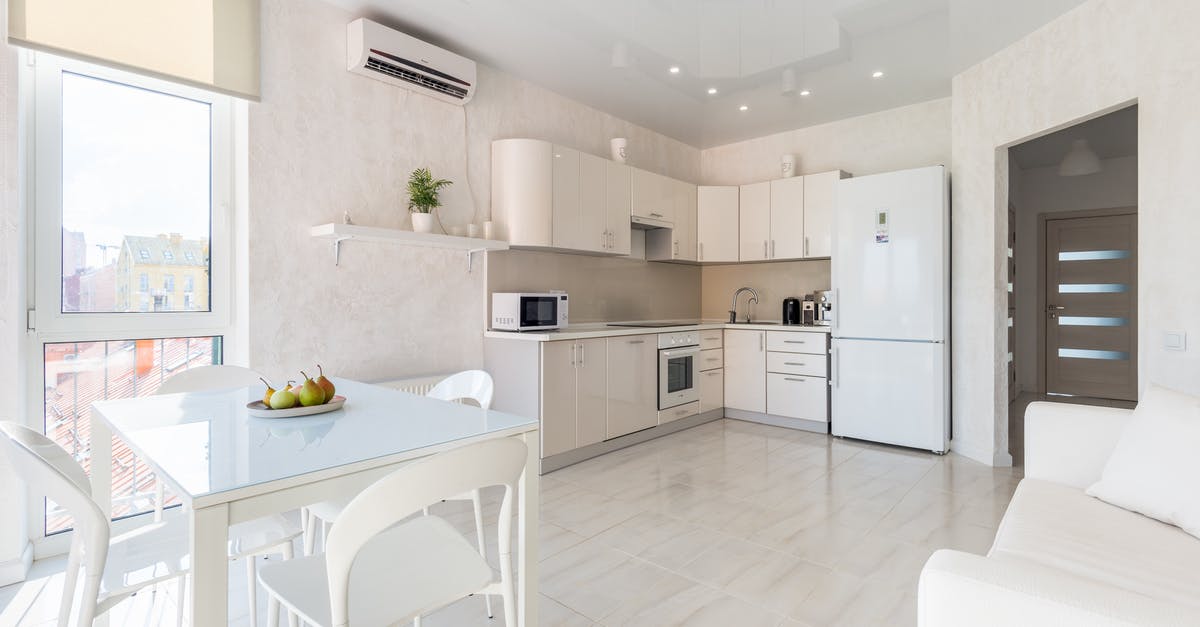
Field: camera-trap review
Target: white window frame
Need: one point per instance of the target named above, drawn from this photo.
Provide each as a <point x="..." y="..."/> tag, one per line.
<point x="42" y="108"/>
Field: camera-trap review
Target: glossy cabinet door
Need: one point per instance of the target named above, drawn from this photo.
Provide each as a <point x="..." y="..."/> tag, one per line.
<point x="565" y="217"/>
<point x="591" y="387"/>
<point x="685" y="221"/>
<point x="754" y="222"/>
<point x="745" y="370"/>
<point x="618" y="198"/>
<point x="717" y="223"/>
<point x="787" y="219"/>
<point x="558" y="397"/>
<point x="651" y="197"/>
<point x="712" y="390"/>
<point x="820" y="201"/>
<point x="632" y="384"/>
<point x="522" y="191"/>
<point x="593" y="203"/>
<point x="795" y="396"/>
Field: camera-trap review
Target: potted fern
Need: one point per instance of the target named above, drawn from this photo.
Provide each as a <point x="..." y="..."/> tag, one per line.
<point x="423" y="198"/>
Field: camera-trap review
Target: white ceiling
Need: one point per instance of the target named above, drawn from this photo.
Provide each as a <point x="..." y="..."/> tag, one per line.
<point x="741" y="47"/>
<point x="1112" y="135"/>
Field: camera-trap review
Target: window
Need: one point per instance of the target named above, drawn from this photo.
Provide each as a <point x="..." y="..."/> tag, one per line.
<point x="130" y="174"/>
<point x="188" y="283"/>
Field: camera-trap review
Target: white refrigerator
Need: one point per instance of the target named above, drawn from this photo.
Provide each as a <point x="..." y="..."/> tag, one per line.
<point x="890" y="359"/>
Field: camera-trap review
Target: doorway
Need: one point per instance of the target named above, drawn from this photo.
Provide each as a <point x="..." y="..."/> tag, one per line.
<point x="1073" y="268"/>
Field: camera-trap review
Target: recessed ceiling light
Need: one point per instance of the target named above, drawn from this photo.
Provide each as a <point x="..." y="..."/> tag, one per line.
<point x="712" y="91"/>
<point x="674" y="69"/>
<point x="744" y="108"/>
<point x="805" y="92"/>
<point x="877" y="74"/>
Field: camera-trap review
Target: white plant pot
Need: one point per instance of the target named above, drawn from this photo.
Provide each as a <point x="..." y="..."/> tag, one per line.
<point x="422" y="222"/>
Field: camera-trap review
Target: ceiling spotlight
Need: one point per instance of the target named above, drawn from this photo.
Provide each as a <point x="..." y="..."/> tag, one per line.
<point x="787" y="82"/>
<point x="805" y="92"/>
<point x="744" y="108"/>
<point x="712" y="91"/>
<point x="877" y="74"/>
<point x="674" y="69"/>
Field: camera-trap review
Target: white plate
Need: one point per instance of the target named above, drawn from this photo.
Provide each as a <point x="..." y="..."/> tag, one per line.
<point x="257" y="408"/>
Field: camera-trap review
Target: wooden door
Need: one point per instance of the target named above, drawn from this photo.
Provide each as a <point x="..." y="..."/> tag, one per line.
<point x="745" y="370"/>
<point x="591" y="386"/>
<point x="717" y="223"/>
<point x="558" y="397"/>
<point x="787" y="219"/>
<point x="1091" y="306"/>
<point x="754" y="221"/>
<point x="632" y="384"/>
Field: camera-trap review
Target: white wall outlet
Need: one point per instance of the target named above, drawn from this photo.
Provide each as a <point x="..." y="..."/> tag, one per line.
<point x="1175" y="340"/>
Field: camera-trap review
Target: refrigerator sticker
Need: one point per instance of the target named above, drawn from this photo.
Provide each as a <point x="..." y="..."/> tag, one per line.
<point x="881" y="226"/>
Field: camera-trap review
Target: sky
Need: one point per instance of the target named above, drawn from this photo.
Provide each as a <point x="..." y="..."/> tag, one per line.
<point x="135" y="162"/>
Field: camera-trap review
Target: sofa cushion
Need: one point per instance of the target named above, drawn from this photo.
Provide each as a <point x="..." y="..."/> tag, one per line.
<point x="1154" y="469"/>
<point x="1061" y="527"/>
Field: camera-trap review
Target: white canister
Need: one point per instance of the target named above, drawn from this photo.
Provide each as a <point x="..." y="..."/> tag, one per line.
<point x="489" y="230"/>
<point x="618" y="149"/>
<point x="787" y="165"/>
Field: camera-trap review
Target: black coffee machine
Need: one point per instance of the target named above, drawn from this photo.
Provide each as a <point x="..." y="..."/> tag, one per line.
<point x="796" y="311"/>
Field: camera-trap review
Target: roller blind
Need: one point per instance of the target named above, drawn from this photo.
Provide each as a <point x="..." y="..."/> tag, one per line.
<point x="212" y="44"/>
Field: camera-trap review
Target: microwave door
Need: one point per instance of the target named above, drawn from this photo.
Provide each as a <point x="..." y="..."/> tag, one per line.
<point x="538" y="311"/>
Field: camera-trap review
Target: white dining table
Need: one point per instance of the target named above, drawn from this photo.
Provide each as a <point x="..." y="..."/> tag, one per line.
<point x="228" y="467"/>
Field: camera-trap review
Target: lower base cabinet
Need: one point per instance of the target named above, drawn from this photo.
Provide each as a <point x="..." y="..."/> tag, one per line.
<point x="712" y="390"/>
<point x="795" y="396"/>
<point x="573" y="394"/>
<point x="632" y="384"/>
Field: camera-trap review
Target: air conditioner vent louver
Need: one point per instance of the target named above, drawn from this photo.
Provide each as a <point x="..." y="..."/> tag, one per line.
<point x="395" y="71"/>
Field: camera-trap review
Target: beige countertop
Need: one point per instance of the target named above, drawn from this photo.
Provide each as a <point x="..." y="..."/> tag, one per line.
<point x="601" y="329"/>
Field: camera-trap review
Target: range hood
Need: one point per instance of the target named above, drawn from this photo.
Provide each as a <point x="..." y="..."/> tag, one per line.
<point x="646" y="224"/>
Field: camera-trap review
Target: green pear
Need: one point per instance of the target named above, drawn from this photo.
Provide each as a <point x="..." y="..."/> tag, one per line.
<point x="283" y="398"/>
<point x="311" y="394"/>
<point x="325" y="384"/>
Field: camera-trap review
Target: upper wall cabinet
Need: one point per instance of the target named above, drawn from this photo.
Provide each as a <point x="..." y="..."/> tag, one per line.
<point x="820" y="201"/>
<point x="788" y="218"/>
<point x="717" y="223"/>
<point x="652" y="197"/>
<point x="754" y="222"/>
<point x="678" y="241"/>
<point x="548" y="196"/>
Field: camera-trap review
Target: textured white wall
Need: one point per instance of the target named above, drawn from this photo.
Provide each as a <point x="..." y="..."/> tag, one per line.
<point x="1038" y="191"/>
<point x="905" y="137"/>
<point x="1094" y="59"/>
<point x="324" y="141"/>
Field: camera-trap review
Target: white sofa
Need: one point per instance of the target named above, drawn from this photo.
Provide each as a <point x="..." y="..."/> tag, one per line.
<point x="1061" y="557"/>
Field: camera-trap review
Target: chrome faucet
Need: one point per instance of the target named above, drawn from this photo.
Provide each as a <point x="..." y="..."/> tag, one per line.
<point x="753" y="299"/>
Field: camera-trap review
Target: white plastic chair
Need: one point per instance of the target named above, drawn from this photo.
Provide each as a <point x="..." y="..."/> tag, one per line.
<point x="114" y="568"/>
<point x="264" y="536"/>
<point x="379" y="569"/>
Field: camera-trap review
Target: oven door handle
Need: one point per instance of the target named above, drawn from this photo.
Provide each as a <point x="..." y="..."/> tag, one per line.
<point x="680" y="352"/>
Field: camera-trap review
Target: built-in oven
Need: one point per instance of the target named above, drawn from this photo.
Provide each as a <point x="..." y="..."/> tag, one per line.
<point x="678" y="357"/>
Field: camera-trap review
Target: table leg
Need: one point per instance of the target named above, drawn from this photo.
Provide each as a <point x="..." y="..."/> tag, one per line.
<point x="527" y="528"/>
<point x="101" y="465"/>
<point x="210" y="565"/>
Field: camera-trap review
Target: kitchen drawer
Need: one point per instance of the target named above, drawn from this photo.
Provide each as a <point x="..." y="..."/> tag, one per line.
<point x="798" y="397"/>
<point x="679" y="411"/>
<point x="711" y="338"/>
<point x="712" y="390"/>
<point x="797" y="363"/>
<point x="711" y="358"/>
<point x="796" y="342"/>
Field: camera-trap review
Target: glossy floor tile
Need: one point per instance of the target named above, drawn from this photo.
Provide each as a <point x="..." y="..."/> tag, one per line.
<point x="728" y="523"/>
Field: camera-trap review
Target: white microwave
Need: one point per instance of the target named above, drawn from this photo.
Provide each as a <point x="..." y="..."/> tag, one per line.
<point x="525" y="311"/>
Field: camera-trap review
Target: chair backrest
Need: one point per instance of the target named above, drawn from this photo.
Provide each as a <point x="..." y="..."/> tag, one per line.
<point x="204" y="378"/>
<point x="51" y="472"/>
<point x="476" y="385"/>
<point x="408" y="490"/>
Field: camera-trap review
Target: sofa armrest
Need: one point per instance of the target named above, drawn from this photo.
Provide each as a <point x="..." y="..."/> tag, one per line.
<point x="1070" y="444"/>
<point x="958" y="589"/>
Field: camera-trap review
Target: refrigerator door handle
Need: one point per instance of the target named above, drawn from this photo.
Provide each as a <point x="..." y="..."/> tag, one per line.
<point x="834" y="377"/>
<point x="837" y="309"/>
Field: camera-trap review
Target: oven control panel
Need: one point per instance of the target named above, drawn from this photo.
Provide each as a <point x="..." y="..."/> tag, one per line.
<point x="678" y="340"/>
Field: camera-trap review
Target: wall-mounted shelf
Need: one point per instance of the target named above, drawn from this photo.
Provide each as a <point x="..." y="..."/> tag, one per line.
<point x="339" y="233"/>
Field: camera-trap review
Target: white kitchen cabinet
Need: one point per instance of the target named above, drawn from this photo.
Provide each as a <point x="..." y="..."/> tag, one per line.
<point x="794" y="396"/>
<point x="745" y="370"/>
<point x="632" y="384"/>
<point x="712" y="390"/>
<point x="618" y="198"/>
<point x="565" y="216"/>
<point x="651" y="196"/>
<point x="711" y="338"/>
<point x="820" y="201"/>
<point x="678" y="412"/>
<point x="797" y="342"/>
<point x="754" y="222"/>
<point x="677" y="243"/>
<point x="593" y="231"/>
<point x="574" y="394"/>
<point x="709" y="359"/>
<point x="797" y="364"/>
<point x="787" y="219"/>
<point x="717" y="223"/>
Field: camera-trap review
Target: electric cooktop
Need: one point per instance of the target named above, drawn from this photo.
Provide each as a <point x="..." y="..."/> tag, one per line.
<point x="654" y="325"/>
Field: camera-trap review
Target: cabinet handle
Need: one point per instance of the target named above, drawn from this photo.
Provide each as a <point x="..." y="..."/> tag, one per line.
<point x="793" y="379"/>
<point x="772" y="249"/>
<point x="676" y="253"/>
<point x="719" y="359"/>
<point x="764" y="249"/>
<point x="713" y="372"/>
<point x="604" y="239"/>
<point x="793" y="363"/>
<point x="762" y="341"/>
<point x="655" y="215"/>
<point x="581" y="354"/>
<point x="636" y="342"/>
<point x="712" y="339"/>
<point x="612" y="239"/>
<point x="805" y="245"/>
<point x="700" y="251"/>
<point x="573" y="347"/>
<point x="794" y="342"/>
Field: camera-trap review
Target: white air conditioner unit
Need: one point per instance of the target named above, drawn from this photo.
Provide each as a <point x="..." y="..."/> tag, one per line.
<point x="389" y="55"/>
